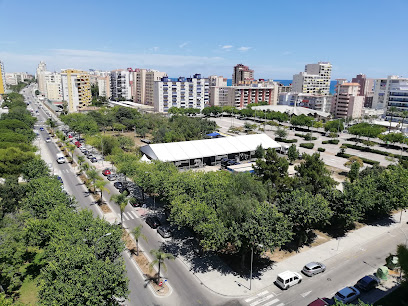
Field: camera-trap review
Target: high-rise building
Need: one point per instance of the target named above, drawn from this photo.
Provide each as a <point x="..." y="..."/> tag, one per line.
<point x="40" y="75"/>
<point x="121" y="84"/>
<point x="104" y="86"/>
<point x="314" y="80"/>
<point x="183" y="93"/>
<point x="216" y="80"/>
<point x="143" y="85"/>
<point x="53" y="85"/>
<point x="241" y="73"/>
<point x="347" y="102"/>
<point x="366" y="88"/>
<point x="2" y="79"/>
<point x="76" y="89"/>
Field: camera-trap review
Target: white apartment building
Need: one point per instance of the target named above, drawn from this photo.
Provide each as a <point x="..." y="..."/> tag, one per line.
<point x="41" y="69"/>
<point x="13" y="78"/>
<point x="76" y="89"/>
<point x="396" y="95"/>
<point x="316" y="102"/>
<point x="120" y="84"/>
<point x="143" y="85"/>
<point x="104" y="86"/>
<point x="314" y="80"/>
<point x="53" y="85"/>
<point x="379" y="94"/>
<point x="347" y="102"/>
<point x="183" y="93"/>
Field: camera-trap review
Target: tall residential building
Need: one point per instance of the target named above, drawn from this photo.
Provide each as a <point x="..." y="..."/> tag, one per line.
<point x="314" y="80"/>
<point x="346" y="102"/>
<point x="184" y="93"/>
<point x="121" y="85"/>
<point x="76" y="89"/>
<point x="216" y="80"/>
<point x="396" y="95"/>
<point x="53" y="85"/>
<point x="366" y="88"/>
<point x="40" y="75"/>
<point x="2" y="79"/>
<point x="104" y="86"/>
<point x="241" y="73"/>
<point x="143" y="85"/>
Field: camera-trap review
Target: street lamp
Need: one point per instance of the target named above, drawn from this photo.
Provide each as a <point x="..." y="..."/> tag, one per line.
<point x="96" y="243"/>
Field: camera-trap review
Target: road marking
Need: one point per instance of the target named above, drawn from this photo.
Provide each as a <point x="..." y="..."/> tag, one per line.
<point x="255" y="296"/>
<point x="271" y="302"/>
<point x="281" y="304"/>
<point x="130" y="216"/>
<point x="126" y="217"/>
<point x="306" y="293"/>
<point x="135" y="214"/>
<point x="262" y="300"/>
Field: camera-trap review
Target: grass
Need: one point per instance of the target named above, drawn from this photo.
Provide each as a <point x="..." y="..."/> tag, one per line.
<point x="398" y="297"/>
<point x="28" y="291"/>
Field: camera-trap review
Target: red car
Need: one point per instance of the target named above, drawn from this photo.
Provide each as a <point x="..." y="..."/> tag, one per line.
<point x="69" y="136"/>
<point x="106" y="172"/>
<point x="78" y="144"/>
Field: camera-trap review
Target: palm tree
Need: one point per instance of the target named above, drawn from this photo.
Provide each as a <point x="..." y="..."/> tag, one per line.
<point x="84" y="166"/>
<point x="137" y="232"/>
<point x="404" y="115"/>
<point x="71" y="149"/>
<point x="93" y="176"/>
<point x="392" y="110"/>
<point x="159" y="257"/>
<point x="121" y="200"/>
<point x="101" y="186"/>
<point x="81" y="159"/>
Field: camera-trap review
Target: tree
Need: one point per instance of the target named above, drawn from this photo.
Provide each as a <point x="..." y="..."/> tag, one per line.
<point x="35" y="168"/>
<point x="334" y="125"/>
<point x="302" y="120"/>
<point x="71" y="149"/>
<point x="121" y="200"/>
<point x="391" y="111"/>
<point x="137" y="233"/>
<point x="404" y="115"/>
<point x="81" y="159"/>
<point x="159" y="258"/>
<point x="101" y="186"/>
<point x="355" y="163"/>
<point x="93" y="175"/>
<point x="259" y="152"/>
<point x="293" y="153"/>
<point x="402" y="253"/>
<point x="281" y="133"/>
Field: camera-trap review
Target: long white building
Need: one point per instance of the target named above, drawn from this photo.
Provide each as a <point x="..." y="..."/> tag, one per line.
<point x="314" y="80"/>
<point x="183" y="93"/>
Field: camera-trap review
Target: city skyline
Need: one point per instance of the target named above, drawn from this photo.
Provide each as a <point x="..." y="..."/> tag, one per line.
<point x="184" y="38"/>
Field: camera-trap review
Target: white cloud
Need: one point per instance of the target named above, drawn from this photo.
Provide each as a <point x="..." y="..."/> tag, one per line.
<point x="244" y="49"/>
<point x="183" y="45"/>
<point x="227" y="47"/>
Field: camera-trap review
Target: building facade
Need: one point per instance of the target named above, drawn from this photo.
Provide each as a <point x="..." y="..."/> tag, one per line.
<point x="347" y="102"/>
<point x="40" y="75"/>
<point x="2" y="79"/>
<point x="183" y="93"/>
<point x="396" y="95"/>
<point x="312" y="101"/>
<point x="104" y="86"/>
<point x="120" y="85"/>
<point x="76" y="89"/>
<point x="241" y="73"/>
<point x="143" y="85"/>
<point x="366" y="88"/>
<point x="314" y="80"/>
<point x="53" y="85"/>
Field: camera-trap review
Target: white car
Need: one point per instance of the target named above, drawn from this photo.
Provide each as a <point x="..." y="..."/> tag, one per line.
<point x="48" y="139"/>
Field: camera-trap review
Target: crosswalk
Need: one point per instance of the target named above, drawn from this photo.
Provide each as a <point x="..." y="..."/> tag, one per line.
<point x="264" y="298"/>
<point x="130" y="215"/>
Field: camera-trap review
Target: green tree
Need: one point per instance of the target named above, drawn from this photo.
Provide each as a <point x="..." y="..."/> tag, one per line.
<point x="259" y="152"/>
<point x="334" y="125"/>
<point x="281" y="133"/>
<point x="293" y="153"/>
<point x="354" y="171"/>
<point x="81" y="160"/>
<point x="100" y="184"/>
<point x="302" y="120"/>
<point x="35" y="168"/>
<point x="402" y="253"/>
<point x="159" y="258"/>
<point x="391" y="112"/>
<point x="121" y="200"/>
<point x="93" y="175"/>
<point x="137" y="233"/>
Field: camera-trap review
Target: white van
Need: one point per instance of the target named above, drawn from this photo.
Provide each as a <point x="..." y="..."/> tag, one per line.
<point x="60" y="158"/>
<point x="288" y="279"/>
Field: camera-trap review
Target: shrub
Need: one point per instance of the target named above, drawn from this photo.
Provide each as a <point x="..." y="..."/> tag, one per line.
<point x="285" y="140"/>
<point x="366" y="149"/>
<point x="307" y="136"/>
<point x="307" y="145"/>
<point x="331" y="141"/>
<point x="321" y="149"/>
<point x="365" y="160"/>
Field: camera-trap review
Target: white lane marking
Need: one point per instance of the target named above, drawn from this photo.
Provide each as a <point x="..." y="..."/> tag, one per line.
<point x="264" y="299"/>
<point x="126" y="217"/>
<point x="135" y="214"/>
<point x="255" y="296"/>
<point x="306" y="293"/>
<point x="130" y="216"/>
<point x="281" y="304"/>
<point x="271" y="302"/>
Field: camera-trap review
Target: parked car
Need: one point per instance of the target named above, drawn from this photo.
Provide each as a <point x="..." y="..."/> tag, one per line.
<point x="135" y="202"/>
<point x="164" y="231"/>
<point x="288" y="279"/>
<point x="118" y="185"/>
<point x="60" y="179"/>
<point x="347" y="295"/>
<point x="41" y="129"/>
<point x="48" y="139"/>
<point x="322" y="302"/>
<point x="93" y="159"/>
<point x="367" y="283"/>
<point x="153" y="222"/>
<point x="111" y="177"/>
<point x="106" y="172"/>
<point x="313" y="268"/>
<point x="70" y="136"/>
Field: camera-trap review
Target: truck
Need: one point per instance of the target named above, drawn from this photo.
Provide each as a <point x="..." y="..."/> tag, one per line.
<point x="60" y="158"/>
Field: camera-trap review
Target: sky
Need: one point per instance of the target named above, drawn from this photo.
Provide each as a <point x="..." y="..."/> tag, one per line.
<point x="275" y="38"/>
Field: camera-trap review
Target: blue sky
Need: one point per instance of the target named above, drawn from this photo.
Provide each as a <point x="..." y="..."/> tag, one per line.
<point x="275" y="38"/>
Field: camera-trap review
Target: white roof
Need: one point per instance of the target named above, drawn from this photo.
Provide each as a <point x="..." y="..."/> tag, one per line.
<point x="185" y="150"/>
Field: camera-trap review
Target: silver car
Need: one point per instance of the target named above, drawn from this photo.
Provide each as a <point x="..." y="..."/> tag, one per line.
<point x="164" y="231"/>
<point x="313" y="268"/>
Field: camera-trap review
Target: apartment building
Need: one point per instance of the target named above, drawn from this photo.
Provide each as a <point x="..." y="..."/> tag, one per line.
<point x="53" y="85"/>
<point x="314" y="80"/>
<point x="40" y="75"/>
<point x="395" y="95"/>
<point x="120" y="84"/>
<point x="366" y="88"/>
<point x="2" y="79"/>
<point x="143" y="85"/>
<point x="216" y="80"/>
<point x="76" y="89"/>
<point x="104" y="86"/>
<point x="347" y="102"/>
<point x="312" y="101"/>
<point x="13" y="78"/>
<point x="183" y="92"/>
<point x="241" y="73"/>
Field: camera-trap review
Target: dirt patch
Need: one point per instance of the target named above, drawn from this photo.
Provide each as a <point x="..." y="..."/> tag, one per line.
<point x="105" y="208"/>
<point x="144" y="265"/>
<point x="136" y="138"/>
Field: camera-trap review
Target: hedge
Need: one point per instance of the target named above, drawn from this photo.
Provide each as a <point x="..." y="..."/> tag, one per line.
<point x="331" y="141"/>
<point x="304" y="136"/>
<point x="285" y="140"/>
<point x="365" y="160"/>
<point x="370" y="150"/>
<point x="321" y="149"/>
<point x="307" y="145"/>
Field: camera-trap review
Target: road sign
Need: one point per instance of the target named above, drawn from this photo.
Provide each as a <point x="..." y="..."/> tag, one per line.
<point x="161" y="284"/>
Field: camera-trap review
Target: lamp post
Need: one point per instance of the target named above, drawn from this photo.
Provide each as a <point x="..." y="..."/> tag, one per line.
<point x="96" y="243"/>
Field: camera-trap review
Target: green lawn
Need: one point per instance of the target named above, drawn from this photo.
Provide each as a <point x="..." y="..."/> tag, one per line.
<point x="28" y="291"/>
<point x="399" y="297"/>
